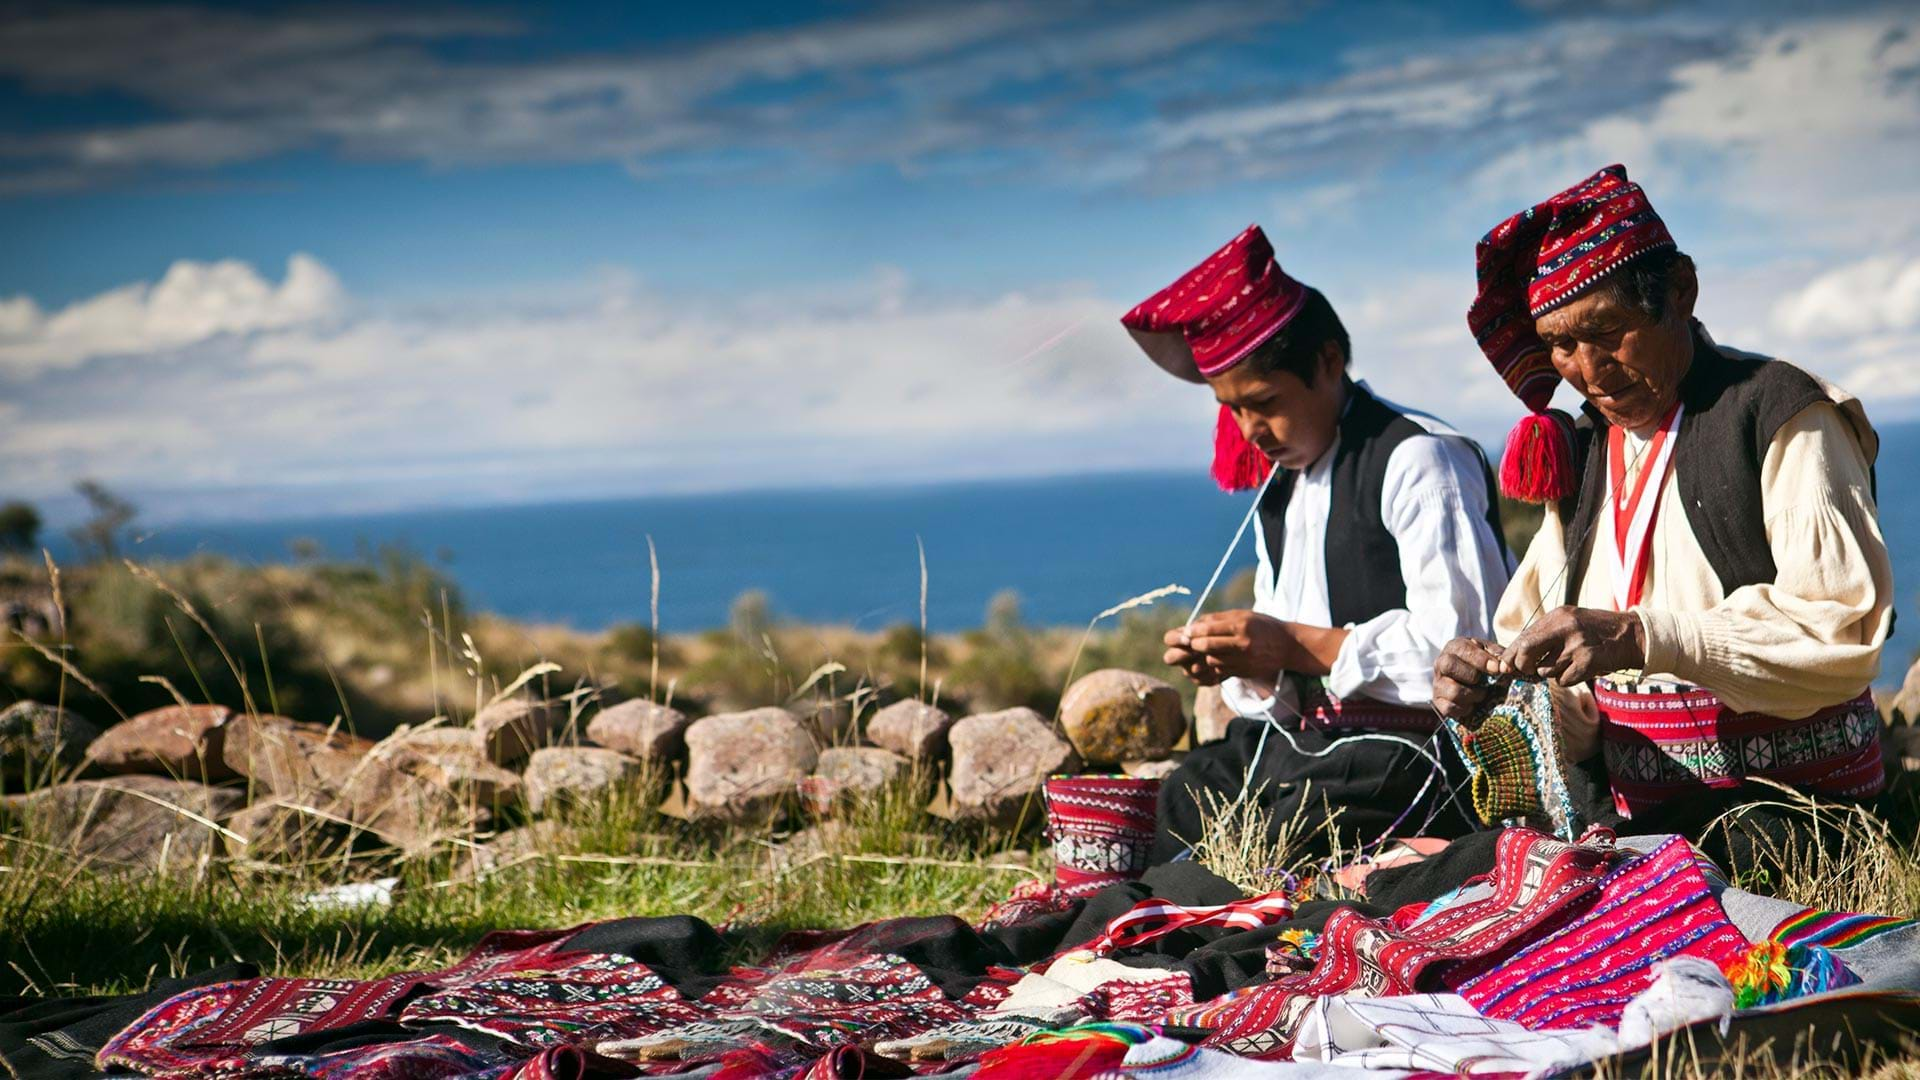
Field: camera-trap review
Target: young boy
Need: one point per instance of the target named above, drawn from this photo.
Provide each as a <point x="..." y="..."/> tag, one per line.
<point x="1379" y="542"/>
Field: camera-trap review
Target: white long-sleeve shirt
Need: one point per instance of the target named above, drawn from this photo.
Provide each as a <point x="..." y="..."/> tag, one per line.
<point x="1434" y="502"/>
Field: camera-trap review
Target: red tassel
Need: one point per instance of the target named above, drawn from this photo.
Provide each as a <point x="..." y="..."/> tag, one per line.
<point x="1237" y="466"/>
<point x="1537" y="466"/>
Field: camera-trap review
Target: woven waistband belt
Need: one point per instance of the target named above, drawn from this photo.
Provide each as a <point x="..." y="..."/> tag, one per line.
<point x="1665" y="740"/>
<point x="1323" y="710"/>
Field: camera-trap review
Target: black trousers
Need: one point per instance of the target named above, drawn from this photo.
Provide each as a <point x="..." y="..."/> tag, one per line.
<point x="1358" y="788"/>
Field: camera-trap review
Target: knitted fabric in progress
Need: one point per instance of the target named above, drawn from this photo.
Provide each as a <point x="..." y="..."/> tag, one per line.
<point x="1516" y="762"/>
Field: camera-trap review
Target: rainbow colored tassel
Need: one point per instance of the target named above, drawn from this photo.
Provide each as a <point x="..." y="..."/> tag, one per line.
<point x="1770" y="972"/>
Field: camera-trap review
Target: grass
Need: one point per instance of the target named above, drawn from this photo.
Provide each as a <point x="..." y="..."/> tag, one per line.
<point x="69" y="930"/>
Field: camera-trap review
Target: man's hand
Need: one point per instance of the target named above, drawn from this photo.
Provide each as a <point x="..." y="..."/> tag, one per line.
<point x="1463" y="677"/>
<point x="1571" y="645"/>
<point x="1247" y="645"/>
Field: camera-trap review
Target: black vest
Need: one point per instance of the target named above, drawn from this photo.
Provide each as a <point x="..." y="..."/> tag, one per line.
<point x="1735" y="404"/>
<point x="1362" y="557"/>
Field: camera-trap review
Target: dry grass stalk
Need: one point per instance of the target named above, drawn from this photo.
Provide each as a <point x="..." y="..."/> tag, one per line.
<point x="1867" y="870"/>
<point x="1240" y="841"/>
<point x="1144" y="599"/>
<point x="186" y="606"/>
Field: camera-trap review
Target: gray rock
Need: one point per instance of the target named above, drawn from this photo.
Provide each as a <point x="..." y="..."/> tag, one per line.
<point x="512" y="730"/>
<point x="1906" y="704"/>
<point x="178" y="741"/>
<point x="407" y="811"/>
<point x="277" y="829"/>
<point x="1115" y="715"/>
<point x="41" y="743"/>
<point x="742" y="766"/>
<point x="1211" y="714"/>
<point x="859" y="771"/>
<point x="453" y="758"/>
<point x="396" y="795"/>
<point x="563" y="776"/>
<point x="1000" y="759"/>
<point x="289" y="759"/>
<point x="913" y="729"/>
<point x="642" y="729"/>
<point x="1151" y="770"/>
<point x="132" y="822"/>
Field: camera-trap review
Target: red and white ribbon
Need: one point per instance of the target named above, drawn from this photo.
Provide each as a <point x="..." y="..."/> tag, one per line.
<point x="1150" y="919"/>
<point x="1630" y="540"/>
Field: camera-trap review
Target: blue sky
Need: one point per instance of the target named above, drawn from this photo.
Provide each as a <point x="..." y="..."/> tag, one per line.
<point x="264" y="258"/>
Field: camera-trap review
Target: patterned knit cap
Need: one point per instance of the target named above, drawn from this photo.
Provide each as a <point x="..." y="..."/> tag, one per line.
<point x="1213" y="315"/>
<point x="1535" y="261"/>
<point x="1211" y="318"/>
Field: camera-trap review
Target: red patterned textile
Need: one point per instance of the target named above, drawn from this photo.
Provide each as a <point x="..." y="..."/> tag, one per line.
<point x="1545" y="256"/>
<point x="825" y="999"/>
<point x="244" y="1014"/>
<point x="1150" y="919"/>
<point x="1139" y="1000"/>
<point x="1101" y="828"/>
<point x="519" y="985"/>
<point x="1210" y="319"/>
<point x="151" y="1044"/>
<point x="1665" y="740"/>
<point x="1650" y="909"/>
<point x="560" y="1001"/>
<point x="1029" y="899"/>
<point x="430" y="1057"/>
<point x="1535" y="881"/>
<point x="1529" y="264"/>
<point x="1213" y="315"/>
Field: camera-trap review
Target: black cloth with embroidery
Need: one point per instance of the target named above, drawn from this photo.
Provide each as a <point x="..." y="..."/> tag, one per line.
<point x="57" y="1038"/>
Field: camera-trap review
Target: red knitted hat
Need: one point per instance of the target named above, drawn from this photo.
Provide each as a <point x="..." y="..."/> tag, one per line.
<point x="1531" y="263"/>
<point x="1210" y="319"/>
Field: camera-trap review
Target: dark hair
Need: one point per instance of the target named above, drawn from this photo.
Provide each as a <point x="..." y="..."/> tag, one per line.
<point x="1644" y="283"/>
<point x="1296" y="348"/>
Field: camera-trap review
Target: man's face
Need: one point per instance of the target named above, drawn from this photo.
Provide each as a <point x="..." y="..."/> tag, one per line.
<point x="1626" y="364"/>
<point x="1284" y="418"/>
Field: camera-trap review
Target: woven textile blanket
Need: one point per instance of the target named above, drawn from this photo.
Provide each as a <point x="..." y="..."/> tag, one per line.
<point x="1649" y="909"/>
<point x="1536" y="880"/>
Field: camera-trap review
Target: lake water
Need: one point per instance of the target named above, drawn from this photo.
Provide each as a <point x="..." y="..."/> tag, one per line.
<point x="1069" y="546"/>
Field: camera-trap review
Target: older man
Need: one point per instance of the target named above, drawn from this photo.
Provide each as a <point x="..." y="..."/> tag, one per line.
<point x="1379" y="541"/>
<point x="1709" y="591"/>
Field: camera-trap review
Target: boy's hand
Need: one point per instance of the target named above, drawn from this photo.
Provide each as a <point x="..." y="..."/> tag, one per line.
<point x="1194" y="664"/>
<point x="1247" y="645"/>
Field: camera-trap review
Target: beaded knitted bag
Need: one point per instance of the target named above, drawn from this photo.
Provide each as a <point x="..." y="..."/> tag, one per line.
<point x="1517" y="764"/>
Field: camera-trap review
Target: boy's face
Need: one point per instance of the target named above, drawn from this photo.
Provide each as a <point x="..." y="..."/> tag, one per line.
<point x="1284" y="418"/>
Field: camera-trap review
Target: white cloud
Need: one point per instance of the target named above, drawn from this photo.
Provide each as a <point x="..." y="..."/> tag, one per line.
<point x="193" y="301"/>
<point x="618" y="388"/>
<point x="1872" y="296"/>
<point x="1812" y="128"/>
